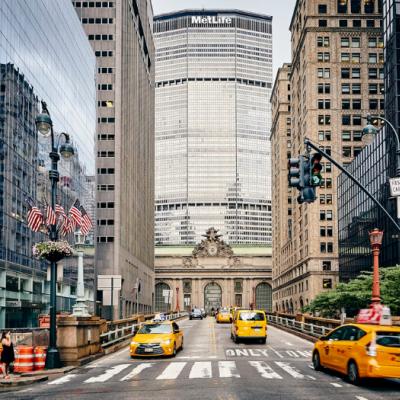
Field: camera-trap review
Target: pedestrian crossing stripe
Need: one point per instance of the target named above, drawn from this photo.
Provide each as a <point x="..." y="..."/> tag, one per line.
<point x="198" y="370"/>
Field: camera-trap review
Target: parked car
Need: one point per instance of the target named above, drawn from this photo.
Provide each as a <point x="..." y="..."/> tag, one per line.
<point x="203" y="312"/>
<point x="196" y="314"/>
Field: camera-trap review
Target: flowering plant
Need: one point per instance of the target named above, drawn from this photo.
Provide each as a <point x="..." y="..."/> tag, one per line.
<point x="52" y="251"/>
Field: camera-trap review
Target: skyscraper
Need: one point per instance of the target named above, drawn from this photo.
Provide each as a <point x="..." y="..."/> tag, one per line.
<point x="213" y="83"/>
<point x="336" y="78"/>
<point x="120" y="33"/>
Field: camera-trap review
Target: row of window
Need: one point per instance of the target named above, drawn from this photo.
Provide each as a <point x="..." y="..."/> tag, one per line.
<point x="106" y="136"/>
<point x="101" y="37"/>
<point x="105" y="188"/>
<point x="105" y="239"/>
<point x="97" y="21"/>
<point x="348" y="151"/>
<point x="355" y="88"/>
<point x="105" y="86"/>
<point x="343" y="23"/>
<point x="325" y="199"/>
<point x="93" y="4"/>
<point x="105" y="171"/>
<point x="105" y="154"/>
<point x="103" y="53"/>
<point x="106" y="120"/>
<point x="354" y="58"/>
<point x="105" y="222"/>
<point x="109" y="204"/>
<point x="354" y="42"/>
<point x="105" y="70"/>
<point x="106" y="103"/>
<point x="326" y="247"/>
<point x="325" y="215"/>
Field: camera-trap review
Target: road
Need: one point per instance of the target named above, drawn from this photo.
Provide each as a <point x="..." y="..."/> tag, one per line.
<point x="211" y="367"/>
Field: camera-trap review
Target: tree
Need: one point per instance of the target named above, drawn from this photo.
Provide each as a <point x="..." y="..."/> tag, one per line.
<point x="356" y="294"/>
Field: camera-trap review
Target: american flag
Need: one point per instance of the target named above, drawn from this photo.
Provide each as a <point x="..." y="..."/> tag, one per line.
<point x="75" y="212"/>
<point x="67" y="227"/>
<point x="51" y="218"/>
<point x="60" y="212"/>
<point x="86" y="223"/>
<point x="34" y="216"/>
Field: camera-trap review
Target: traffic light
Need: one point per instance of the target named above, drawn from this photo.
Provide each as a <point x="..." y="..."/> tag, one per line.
<point x="307" y="192"/>
<point x="315" y="170"/>
<point x="294" y="172"/>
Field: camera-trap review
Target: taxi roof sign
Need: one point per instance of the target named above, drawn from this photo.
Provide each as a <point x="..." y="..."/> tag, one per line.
<point x="377" y="314"/>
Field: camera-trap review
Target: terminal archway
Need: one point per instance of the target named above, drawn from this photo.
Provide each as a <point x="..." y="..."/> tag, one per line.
<point x="212" y="296"/>
<point x="160" y="304"/>
<point x="264" y="297"/>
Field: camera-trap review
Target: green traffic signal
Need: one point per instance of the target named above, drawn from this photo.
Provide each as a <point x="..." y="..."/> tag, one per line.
<point x="315" y="170"/>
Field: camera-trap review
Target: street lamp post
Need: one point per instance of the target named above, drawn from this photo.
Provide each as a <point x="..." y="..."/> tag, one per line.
<point x="375" y="237"/>
<point x="44" y="125"/>
<point x="177" y="299"/>
<point x="80" y="309"/>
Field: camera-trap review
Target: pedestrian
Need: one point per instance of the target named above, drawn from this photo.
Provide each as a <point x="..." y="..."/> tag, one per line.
<point x="7" y="355"/>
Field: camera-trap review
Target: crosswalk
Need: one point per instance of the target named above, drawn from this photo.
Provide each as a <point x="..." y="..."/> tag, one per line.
<point x="187" y="370"/>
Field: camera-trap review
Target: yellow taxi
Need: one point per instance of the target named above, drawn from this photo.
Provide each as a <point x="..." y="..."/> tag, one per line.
<point x="157" y="339"/>
<point x="224" y="316"/>
<point x="360" y="351"/>
<point x="249" y="324"/>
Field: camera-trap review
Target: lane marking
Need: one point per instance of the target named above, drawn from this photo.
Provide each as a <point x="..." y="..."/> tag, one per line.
<point x="136" y="371"/>
<point x="311" y="377"/>
<point x="201" y="369"/>
<point x="227" y="369"/>
<point x="276" y="352"/>
<point x="108" y="374"/>
<point x="265" y="370"/>
<point x="288" y="344"/>
<point x="361" y="398"/>
<point x="336" y="384"/>
<point x="172" y="371"/>
<point x="63" y="379"/>
<point x="289" y="369"/>
<point x="304" y="353"/>
<point x="292" y="353"/>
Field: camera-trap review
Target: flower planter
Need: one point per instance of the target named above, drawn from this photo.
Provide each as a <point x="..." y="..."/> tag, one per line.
<point x="52" y="251"/>
<point x="54" y="257"/>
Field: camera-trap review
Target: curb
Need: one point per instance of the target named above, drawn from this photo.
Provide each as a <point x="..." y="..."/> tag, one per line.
<point x="25" y="382"/>
<point x="48" y="372"/>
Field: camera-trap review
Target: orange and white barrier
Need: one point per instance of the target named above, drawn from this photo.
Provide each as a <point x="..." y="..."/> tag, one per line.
<point x="39" y="358"/>
<point x="23" y="359"/>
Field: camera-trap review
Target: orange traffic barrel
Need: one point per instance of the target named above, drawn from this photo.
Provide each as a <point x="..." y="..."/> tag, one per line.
<point x="23" y="359"/>
<point x="39" y="358"/>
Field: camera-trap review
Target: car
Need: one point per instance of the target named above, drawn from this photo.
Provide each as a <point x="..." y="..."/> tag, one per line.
<point x="157" y="339"/>
<point x="159" y="317"/>
<point x="249" y="324"/>
<point x="196" y="314"/>
<point x="203" y="312"/>
<point x="360" y="351"/>
<point x="224" y="316"/>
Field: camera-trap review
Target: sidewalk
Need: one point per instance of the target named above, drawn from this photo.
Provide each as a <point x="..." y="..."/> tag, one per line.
<point x="29" y="378"/>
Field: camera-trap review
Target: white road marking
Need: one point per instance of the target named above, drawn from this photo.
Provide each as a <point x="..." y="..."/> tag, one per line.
<point x="311" y="366"/>
<point x="189" y="357"/>
<point x="252" y="352"/>
<point x="361" y="398"/>
<point x="292" y="353"/>
<point x="227" y="369"/>
<point x="265" y="370"/>
<point x="172" y="371"/>
<point x="289" y="369"/>
<point x="311" y="377"/>
<point x="304" y="353"/>
<point x="108" y="374"/>
<point x="241" y="352"/>
<point x="288" y="344"/>
<point x="136" y="371"/>
<point x="63" y="379"/>
<point x="201" y="369"/>
<point x="336" y="384"/>
<point x="276" y="352"/>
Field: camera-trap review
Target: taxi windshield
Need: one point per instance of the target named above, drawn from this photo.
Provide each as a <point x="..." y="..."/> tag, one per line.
<point x="251" y="316"/>
<point x="155" y="328"/>
<point x="388" y="339"/>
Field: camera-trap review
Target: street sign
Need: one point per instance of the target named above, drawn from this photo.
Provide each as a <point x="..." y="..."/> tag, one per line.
<point x="394" y="186"/>
<point x="104" y="282"/>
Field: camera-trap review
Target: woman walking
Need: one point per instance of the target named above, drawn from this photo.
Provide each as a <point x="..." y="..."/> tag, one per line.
<point x="7" y="355"/>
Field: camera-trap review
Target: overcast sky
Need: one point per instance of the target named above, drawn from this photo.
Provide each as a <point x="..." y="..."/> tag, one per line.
<point x="280" y="10"/>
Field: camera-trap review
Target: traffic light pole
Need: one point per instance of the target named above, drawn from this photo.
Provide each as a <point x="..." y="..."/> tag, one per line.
<point x="308" y="143"/>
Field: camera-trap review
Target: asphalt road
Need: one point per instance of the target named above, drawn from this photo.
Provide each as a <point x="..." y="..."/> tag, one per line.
<point x="211" y="367"/>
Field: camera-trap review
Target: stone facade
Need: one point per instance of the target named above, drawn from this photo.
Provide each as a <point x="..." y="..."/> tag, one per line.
<point x="335" y="79"/>
<point x="213" y="274"/>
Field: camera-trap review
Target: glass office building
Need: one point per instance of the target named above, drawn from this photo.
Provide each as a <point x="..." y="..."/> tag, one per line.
<point x="213" y="85"/>
<point x="44" y="55"/>
<point x="373" y="167"/>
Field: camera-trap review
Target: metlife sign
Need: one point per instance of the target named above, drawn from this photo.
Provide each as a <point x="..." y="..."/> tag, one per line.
<point x="211" y="20"/>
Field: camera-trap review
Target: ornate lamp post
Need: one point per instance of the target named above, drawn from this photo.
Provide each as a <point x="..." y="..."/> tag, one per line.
<point x="177" y="299"/>
<point x="80" y="309"/>
<point x="44" y="125"/>
<point x="375" y="237"/>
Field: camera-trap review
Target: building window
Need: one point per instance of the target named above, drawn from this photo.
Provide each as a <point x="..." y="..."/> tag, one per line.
<point x="369" y="6"/>
<point x="356" y="88"/>
<point x="356" y="151"/>
<point x="105" y="171"/>
<point x="327" y="283"/>
<point x="346" y="104"/>
<point x="326" y="265"/>
<point x="356" y="103"/>
<point x="238" y="286"/>
<point x="372" y="58"/>
<point x="373" y="104"/>
<point x="343" y="23"/>
<point x="346" y="151"/>
<point x="356" y="23"/>
<point x="345" y="42"/>
<point x="324" y="135"/>
<point x="345" y="57"/>
<point x="372" y="41"/>
<point x="322" y="9"/>
<point x="324" y="88"/>
<point x="187" y="286"/>
<point x="324" y="119"/>
<point x="342" y="6"/>
<point x="324" y="104"/>
<point x="346" y="120"/>
<point x="322" y="23"/>
<point x="323" y="41"/>
<point x="322" y="247"/>
<point x="355" y="42"/>
<point x="355" y="58"/>
<point x="323" y="56"/>
<point x="356" y="73"/>
<point x="345" y="73"/>
<point x="345" y="88"/>
<point x="324" y="73"/>
<point x="346" y="136"/>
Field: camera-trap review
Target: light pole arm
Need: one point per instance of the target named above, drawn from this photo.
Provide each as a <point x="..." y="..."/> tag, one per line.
<point x="308" y="143"/>
<point x="396" y="134"/>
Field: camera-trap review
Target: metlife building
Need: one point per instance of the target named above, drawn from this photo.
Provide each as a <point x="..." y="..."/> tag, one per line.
<point x="213" y="164"/>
